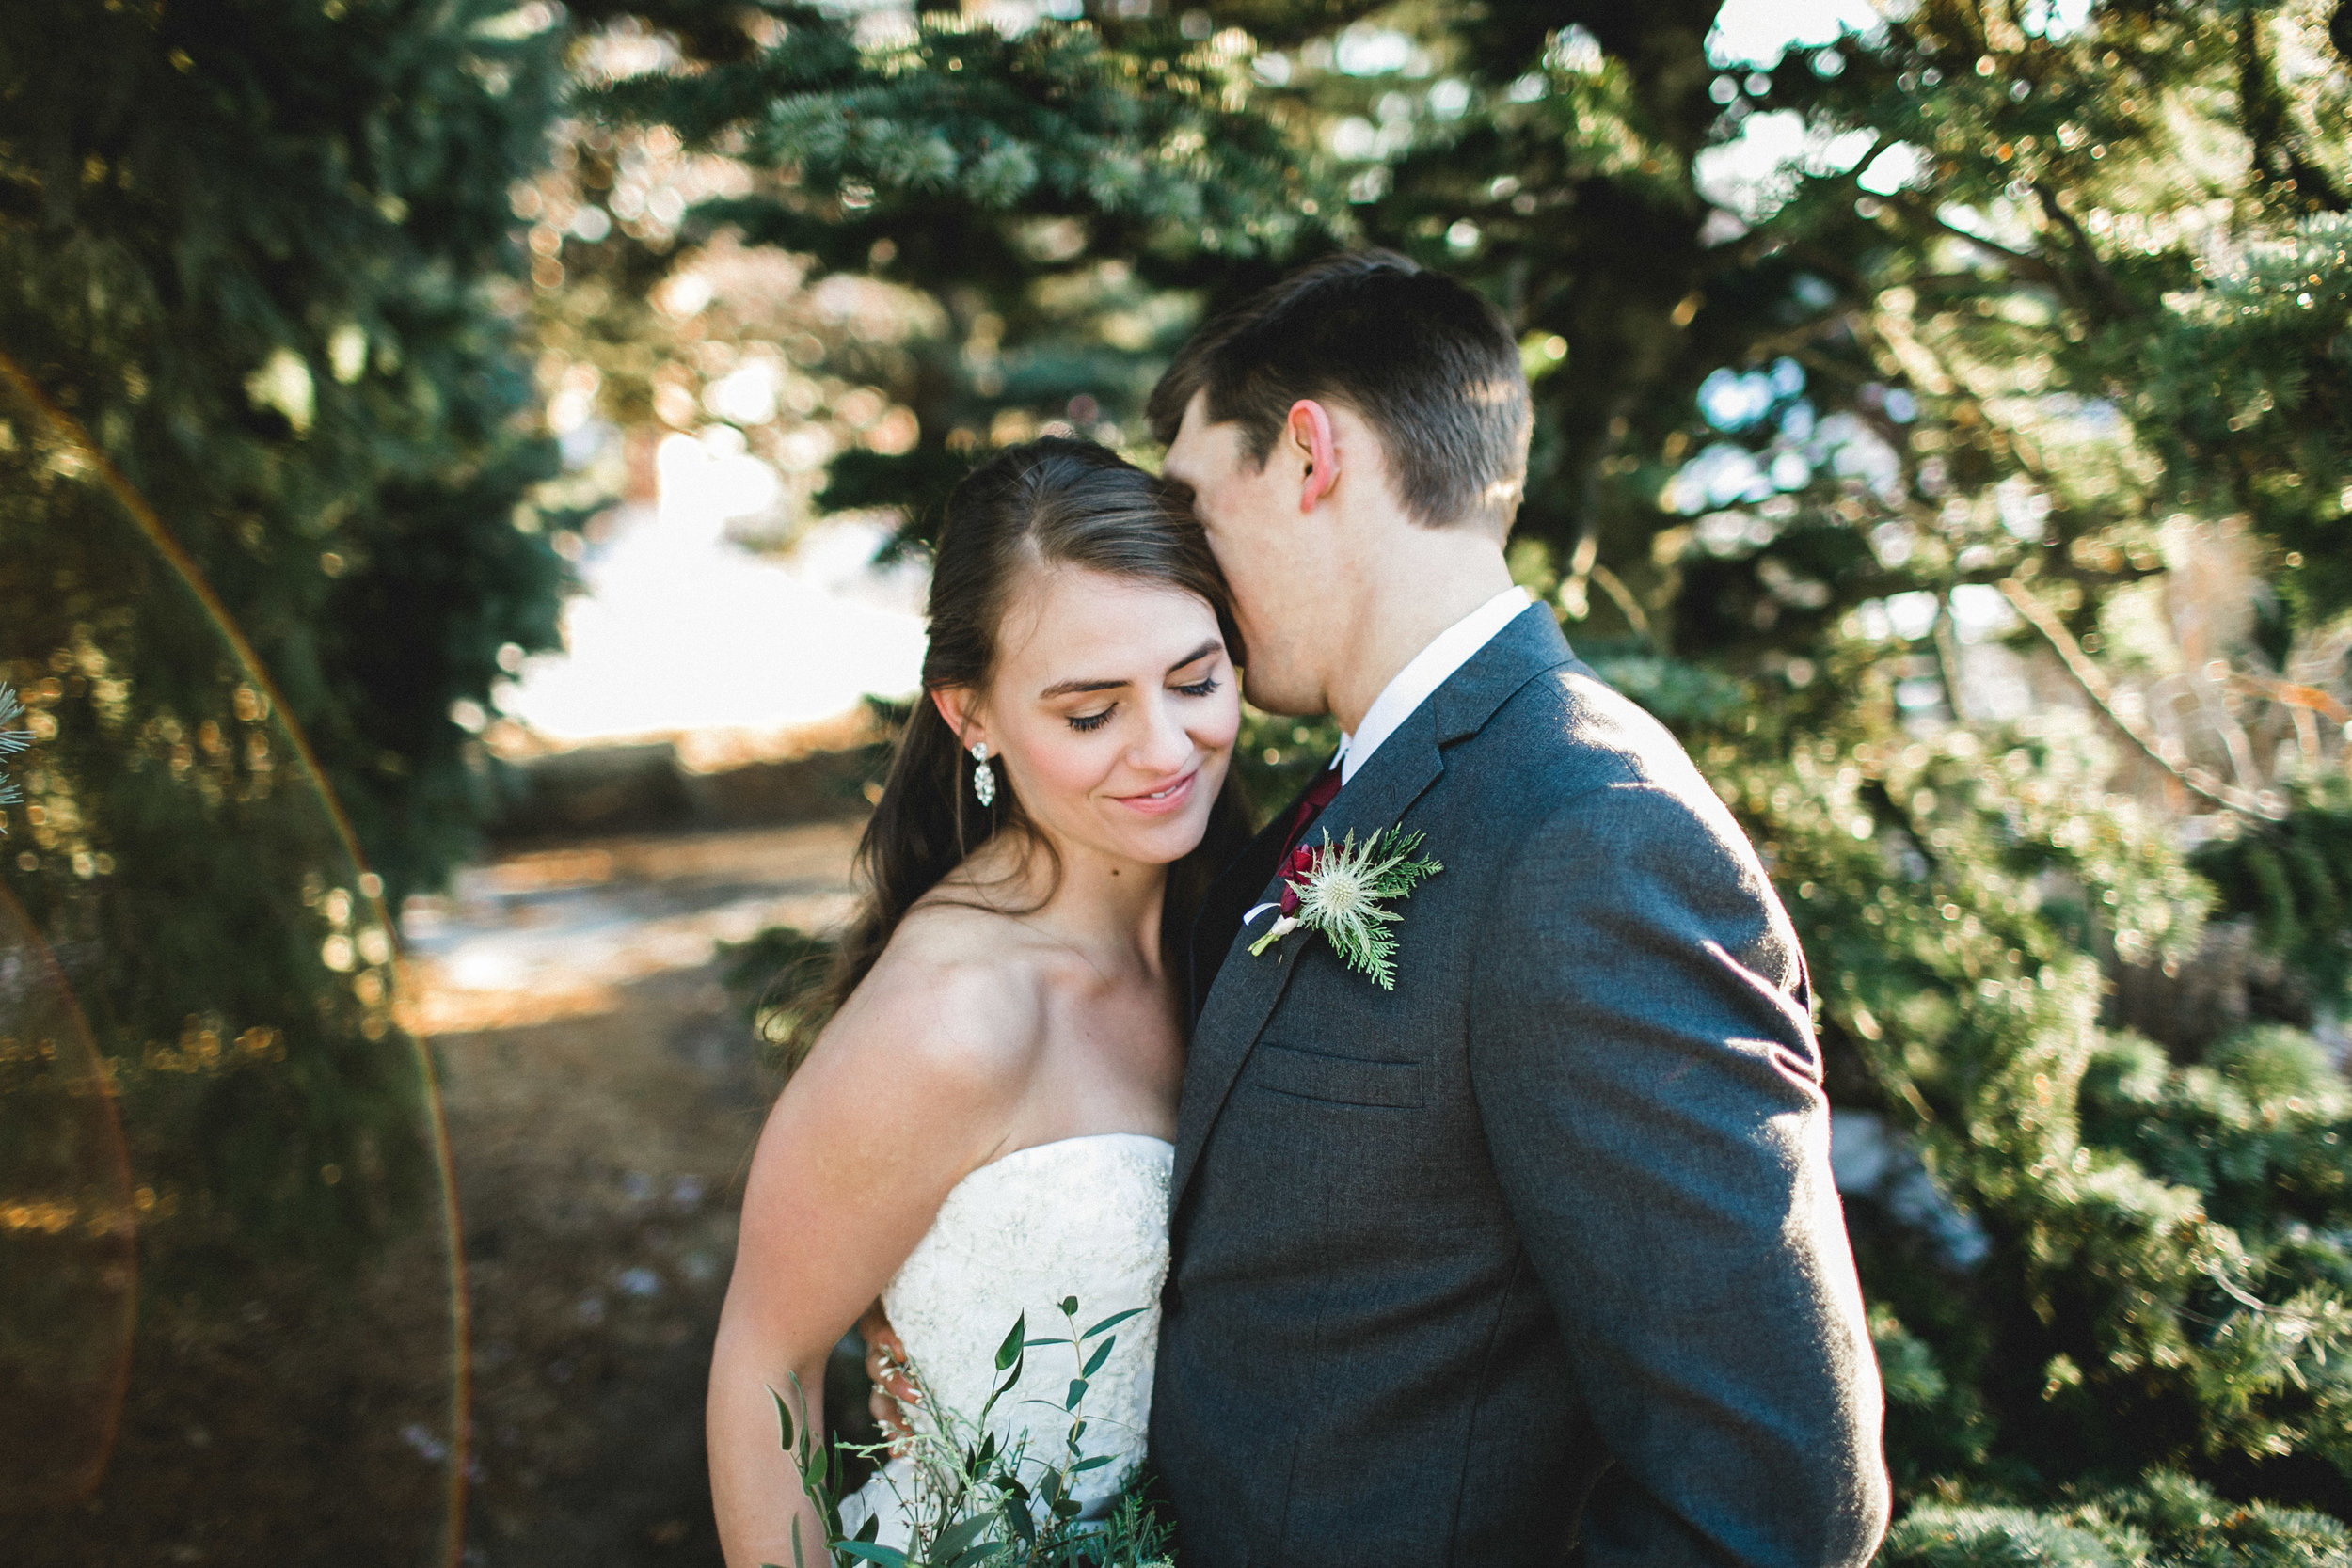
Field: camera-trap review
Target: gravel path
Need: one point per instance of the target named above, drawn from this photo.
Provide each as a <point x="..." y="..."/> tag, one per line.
<point x="602" y="1092"/>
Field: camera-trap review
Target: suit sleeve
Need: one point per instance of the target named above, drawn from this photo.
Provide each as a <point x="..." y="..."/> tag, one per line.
<point x="1650" y="1090"/>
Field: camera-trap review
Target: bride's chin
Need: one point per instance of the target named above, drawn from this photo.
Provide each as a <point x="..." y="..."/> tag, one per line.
<point x="1166" y="843"/>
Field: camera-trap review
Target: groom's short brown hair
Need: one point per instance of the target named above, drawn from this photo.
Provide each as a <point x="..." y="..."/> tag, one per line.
<point x="1428" y="364"/>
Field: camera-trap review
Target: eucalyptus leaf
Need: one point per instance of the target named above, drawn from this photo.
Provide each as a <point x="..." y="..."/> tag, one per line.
<point x="784" y="1421"/>
<point x="958" y="1536"/>
<point x="1011" y="1378"/>
<point x="1114" y="1321"/>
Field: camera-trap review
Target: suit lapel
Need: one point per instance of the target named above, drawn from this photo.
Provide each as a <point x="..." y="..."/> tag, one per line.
<point x="1229" y="895"/>
<point x="1246" y="988"/>
<point x="1245" y="991"/>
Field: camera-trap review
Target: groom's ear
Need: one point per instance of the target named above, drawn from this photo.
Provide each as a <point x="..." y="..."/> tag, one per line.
<point x="1308" y="429"/>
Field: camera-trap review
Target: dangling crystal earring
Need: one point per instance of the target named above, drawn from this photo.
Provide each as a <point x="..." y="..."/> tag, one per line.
<point x="983" y="776"/>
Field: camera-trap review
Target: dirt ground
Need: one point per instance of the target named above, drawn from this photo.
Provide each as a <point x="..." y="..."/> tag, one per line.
<point x="602" y="1091"/>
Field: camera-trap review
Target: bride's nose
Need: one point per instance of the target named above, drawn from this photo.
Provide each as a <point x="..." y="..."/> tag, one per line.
<point x="1165" y="746"/>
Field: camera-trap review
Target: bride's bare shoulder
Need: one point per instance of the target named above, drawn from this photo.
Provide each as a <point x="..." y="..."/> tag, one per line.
<point x="956" y="1002"/>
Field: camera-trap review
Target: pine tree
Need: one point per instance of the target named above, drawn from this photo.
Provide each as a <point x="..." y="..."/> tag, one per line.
<point x="257" y="251"/>
<point x="268" y="452"/>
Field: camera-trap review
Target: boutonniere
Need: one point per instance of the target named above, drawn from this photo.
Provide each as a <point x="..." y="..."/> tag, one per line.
<point x="1337" y="889"/>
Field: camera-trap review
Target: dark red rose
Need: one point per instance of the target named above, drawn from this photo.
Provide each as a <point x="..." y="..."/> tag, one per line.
<point x="1294" y="875"/>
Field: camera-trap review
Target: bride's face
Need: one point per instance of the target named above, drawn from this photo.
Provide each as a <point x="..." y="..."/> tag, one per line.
<point x="1113" y="710"/>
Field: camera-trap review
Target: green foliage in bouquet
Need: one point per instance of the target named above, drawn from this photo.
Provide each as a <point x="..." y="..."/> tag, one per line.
<point x="980" y="1504"/>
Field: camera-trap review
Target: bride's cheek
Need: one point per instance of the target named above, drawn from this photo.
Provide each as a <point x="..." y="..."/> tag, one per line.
<point x="1214" y="722"/>
<point x="1224" y="731"/>
<point x="1070" y="767"/>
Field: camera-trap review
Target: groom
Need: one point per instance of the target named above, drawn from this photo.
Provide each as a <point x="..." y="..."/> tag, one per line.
<point x="1535" y="1257"/>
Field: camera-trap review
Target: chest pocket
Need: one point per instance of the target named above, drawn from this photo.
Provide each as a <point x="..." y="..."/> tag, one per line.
<point x="1338" y="1080"/>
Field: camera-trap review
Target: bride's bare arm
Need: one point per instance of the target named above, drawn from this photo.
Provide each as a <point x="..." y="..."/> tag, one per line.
<point x="910" y="1088"/>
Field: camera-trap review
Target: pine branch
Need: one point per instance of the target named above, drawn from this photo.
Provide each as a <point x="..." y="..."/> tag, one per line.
<point x="2102" y="282"/>
<point x="2025" y="262"/>
<point x="2094" y="684"/>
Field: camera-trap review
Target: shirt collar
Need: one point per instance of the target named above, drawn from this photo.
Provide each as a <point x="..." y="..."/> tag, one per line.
<point x="1428" y="670"/>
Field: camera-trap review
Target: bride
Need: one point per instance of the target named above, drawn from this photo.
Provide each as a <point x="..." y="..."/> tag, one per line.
<point x="983" y="1127"/>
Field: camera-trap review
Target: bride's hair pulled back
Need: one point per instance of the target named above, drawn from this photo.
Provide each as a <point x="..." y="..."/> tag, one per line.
<point x="1031" y="507"/>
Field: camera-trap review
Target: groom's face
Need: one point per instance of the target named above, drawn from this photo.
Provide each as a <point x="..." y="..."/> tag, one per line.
<point x="1268" y="550"/>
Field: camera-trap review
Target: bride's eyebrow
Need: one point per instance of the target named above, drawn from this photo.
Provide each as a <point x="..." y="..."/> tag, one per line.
<point x="1072" y="688"/>
<point x="1212" y="646"/>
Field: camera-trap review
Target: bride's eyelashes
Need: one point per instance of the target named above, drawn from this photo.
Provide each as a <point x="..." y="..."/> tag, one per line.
<point x="1087" y="723"/>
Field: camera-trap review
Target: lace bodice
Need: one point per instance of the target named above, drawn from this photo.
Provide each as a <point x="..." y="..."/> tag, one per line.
<point x="1084" y="1217"/>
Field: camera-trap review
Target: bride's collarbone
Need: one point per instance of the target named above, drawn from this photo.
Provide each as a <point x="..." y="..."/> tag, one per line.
<point x="990" y="950"/>
<point x="964" y="1005"/>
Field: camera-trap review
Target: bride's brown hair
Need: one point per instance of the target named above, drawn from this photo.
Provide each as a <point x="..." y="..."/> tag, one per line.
<point x="1044" y="503"/>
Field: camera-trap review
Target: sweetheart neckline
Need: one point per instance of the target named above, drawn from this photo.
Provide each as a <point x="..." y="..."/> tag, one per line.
<point x="977" y="1171"/>
<point x="1167" y="1143"/>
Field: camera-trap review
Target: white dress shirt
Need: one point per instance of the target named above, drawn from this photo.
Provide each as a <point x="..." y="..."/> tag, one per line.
<point x="1417" y="682"/>
<point x="1429" y="669"/>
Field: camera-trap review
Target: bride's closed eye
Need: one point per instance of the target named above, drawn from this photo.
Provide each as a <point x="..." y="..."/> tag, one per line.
<point x="1087" y="723"/>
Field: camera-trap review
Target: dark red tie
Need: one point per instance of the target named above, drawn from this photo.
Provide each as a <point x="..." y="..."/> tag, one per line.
<point x="1310" y="806"/>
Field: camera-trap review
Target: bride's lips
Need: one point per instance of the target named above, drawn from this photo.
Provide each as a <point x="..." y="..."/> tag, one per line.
<point x="1160" y="803"/>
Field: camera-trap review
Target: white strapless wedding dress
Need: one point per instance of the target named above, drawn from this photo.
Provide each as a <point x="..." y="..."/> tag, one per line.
<point x="1084" y="1217"/>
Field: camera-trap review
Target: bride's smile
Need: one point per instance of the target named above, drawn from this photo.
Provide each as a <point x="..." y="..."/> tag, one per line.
<point x="1159" y="801"/>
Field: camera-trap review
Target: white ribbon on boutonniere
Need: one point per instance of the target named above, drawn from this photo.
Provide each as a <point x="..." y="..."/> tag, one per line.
<point x="1337" y="889"/>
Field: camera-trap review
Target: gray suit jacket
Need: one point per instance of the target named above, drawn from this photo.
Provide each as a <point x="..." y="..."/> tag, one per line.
<point x="1558" y="1204"/>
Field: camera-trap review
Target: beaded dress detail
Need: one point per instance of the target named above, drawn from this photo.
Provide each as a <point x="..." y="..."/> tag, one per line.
<point x="1084" y="1217"/>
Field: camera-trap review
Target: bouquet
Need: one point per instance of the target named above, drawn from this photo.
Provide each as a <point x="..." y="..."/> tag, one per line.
<point x="971" y="1506"/>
